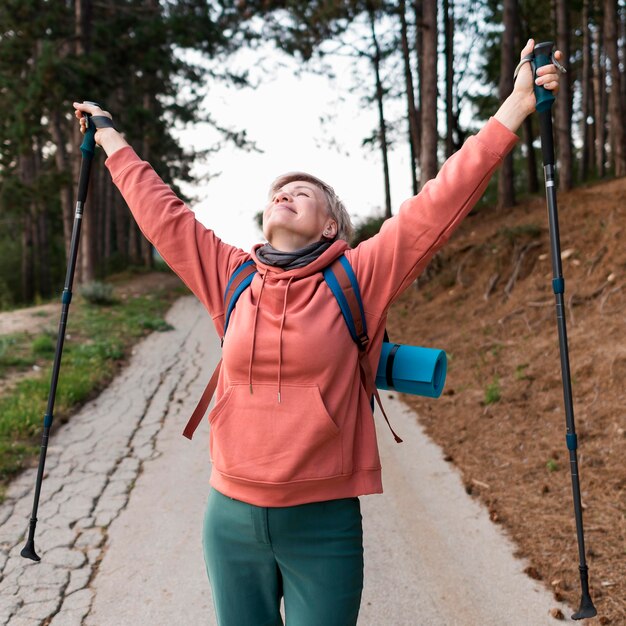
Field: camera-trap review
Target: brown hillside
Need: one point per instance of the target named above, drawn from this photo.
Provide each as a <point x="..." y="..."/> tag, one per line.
<point x="487" y="300"/>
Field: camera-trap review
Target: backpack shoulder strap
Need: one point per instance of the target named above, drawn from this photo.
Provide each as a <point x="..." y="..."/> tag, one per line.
<point x="239" y="281"/>
<point x="341" y="279"/>
<point x="203" y="404"/>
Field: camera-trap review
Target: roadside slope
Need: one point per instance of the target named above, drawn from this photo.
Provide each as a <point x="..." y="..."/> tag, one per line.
<point x="487" y="300"/>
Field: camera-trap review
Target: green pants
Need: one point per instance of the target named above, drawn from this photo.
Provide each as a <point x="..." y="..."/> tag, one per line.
<point x="311" y="554"/>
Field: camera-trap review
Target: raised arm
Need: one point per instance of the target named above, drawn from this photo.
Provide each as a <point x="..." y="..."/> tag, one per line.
<point x="194" y="252"/>
<point x="389" y="262"/>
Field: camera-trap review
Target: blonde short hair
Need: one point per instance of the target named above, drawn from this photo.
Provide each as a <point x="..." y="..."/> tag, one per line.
<point x="336" y="208"/>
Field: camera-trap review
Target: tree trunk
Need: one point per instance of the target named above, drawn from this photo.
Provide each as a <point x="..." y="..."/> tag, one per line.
<point x="134" y="248"/>
<point x="121" y="227"/>
<point x="506" y="189"/>
<point x="41" y="230"/>
<point x="85" y="267"/>
<point x="418" y="7"/>
<point x="588" y="114"/>
<point x="410" y="96"/>
<point x="616" y="107"/>
<point x="99" y="211"/>
<point x="121" y="214"/>
<point x="27" y="178"/>
<point x="43" y="238"/>
<point x="563" y="117"/>
<point x="88" y="243"/>
<point x="531" y="161"/>
<point x="532" y="180"/>
<point x="600" y="102"/>
<point x="448" y="21"/>
<point x="381" y="114"/>
<point x="108" y="223"/>
<point x="622" y="54"/>
<point x="28" y="266"/>
<point x="63" y="165"/>
<point x="428" y="88"/>
<point x="146" y="247"/>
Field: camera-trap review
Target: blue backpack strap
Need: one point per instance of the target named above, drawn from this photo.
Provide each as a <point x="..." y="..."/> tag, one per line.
<point x="240" y="280"/>
<point x="340" y="278"/>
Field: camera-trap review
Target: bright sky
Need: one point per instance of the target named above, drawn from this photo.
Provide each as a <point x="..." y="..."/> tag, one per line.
<point x="283" y="117"/>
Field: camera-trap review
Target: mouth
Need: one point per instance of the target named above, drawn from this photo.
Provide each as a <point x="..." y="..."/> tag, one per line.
<point x="284" y="206"/>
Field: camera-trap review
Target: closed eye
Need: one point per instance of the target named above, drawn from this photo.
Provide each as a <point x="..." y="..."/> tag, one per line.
<point x="301" y="193"/>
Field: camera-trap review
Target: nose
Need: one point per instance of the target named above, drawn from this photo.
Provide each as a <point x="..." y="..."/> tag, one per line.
<point x="281" y="196"/>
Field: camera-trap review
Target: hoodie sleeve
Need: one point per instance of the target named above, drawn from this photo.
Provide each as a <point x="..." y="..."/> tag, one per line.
<point x="389" y="262"/>
<point x="194" y="252"/>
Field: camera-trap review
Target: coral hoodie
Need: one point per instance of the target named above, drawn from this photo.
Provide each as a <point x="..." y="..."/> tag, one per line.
<point x="292" y="423"/>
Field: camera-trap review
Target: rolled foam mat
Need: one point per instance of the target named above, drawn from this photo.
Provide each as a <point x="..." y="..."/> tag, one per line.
<point x="412" y="369"/>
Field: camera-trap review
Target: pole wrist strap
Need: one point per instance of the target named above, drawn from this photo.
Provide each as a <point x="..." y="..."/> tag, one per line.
<point x="102" y="121"/>
<point x="530" y="58"/>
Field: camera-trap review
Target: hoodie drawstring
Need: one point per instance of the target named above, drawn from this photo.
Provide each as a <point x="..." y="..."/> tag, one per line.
<point x="256" y="316"/>
<point x="280" y="336"/>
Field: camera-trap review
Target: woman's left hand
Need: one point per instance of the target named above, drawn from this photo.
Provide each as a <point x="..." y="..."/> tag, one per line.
<point x="548" y="76"/>
<point x="521" y="103"/>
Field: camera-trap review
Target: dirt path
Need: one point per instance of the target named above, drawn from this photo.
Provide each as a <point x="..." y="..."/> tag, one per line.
<point x="121" y="513"/>
<point x="32" y="319"/>
<point x="36" y="318"/>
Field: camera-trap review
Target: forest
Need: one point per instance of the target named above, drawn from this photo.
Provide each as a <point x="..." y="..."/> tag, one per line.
<point x="152" y="62"/>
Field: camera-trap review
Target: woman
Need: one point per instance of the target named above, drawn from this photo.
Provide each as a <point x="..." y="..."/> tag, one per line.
<point x="292" y="435"/>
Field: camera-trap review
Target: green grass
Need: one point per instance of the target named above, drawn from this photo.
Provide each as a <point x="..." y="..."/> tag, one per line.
<point x="14" y="352"/>
<point x="493" y="393"/>
<point x="43" y="346"/>
<point x="98" y="339"/>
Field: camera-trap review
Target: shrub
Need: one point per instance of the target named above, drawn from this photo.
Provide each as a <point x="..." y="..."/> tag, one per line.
<point x="97" y="292"/>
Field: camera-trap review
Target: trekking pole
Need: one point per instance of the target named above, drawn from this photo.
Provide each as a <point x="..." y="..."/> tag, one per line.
<point x="87" y="148"/>
<point x="543" y="56"/>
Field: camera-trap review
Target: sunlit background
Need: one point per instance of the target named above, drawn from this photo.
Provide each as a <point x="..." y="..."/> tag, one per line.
<point x="282" y="116"/>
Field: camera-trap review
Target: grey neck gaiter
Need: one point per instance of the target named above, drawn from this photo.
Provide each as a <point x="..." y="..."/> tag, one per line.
<point x="291" y="260"/>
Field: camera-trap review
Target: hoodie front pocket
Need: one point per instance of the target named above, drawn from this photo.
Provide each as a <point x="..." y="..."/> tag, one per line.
<point x="255" y="437"/>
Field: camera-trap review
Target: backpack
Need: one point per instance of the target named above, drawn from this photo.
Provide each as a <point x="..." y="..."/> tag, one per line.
<point x="342" y="281"/>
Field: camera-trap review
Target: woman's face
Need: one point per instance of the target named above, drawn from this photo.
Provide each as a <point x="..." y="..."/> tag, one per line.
<point x="297" y="215"/>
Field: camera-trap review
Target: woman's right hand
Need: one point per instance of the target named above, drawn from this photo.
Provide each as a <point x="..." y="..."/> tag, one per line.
<point x="108" y="138"/>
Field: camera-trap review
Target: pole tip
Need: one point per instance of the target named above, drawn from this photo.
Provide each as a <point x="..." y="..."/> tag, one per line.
<point x="586" y="609"/>
<point x="28" y="551"/>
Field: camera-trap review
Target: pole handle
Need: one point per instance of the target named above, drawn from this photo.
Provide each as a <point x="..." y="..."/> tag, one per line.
<point x="543" y="56"/>
<point x="88" y="147"/>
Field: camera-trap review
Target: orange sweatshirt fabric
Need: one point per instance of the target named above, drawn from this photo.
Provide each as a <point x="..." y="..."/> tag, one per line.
<point x="292" y="423"/>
